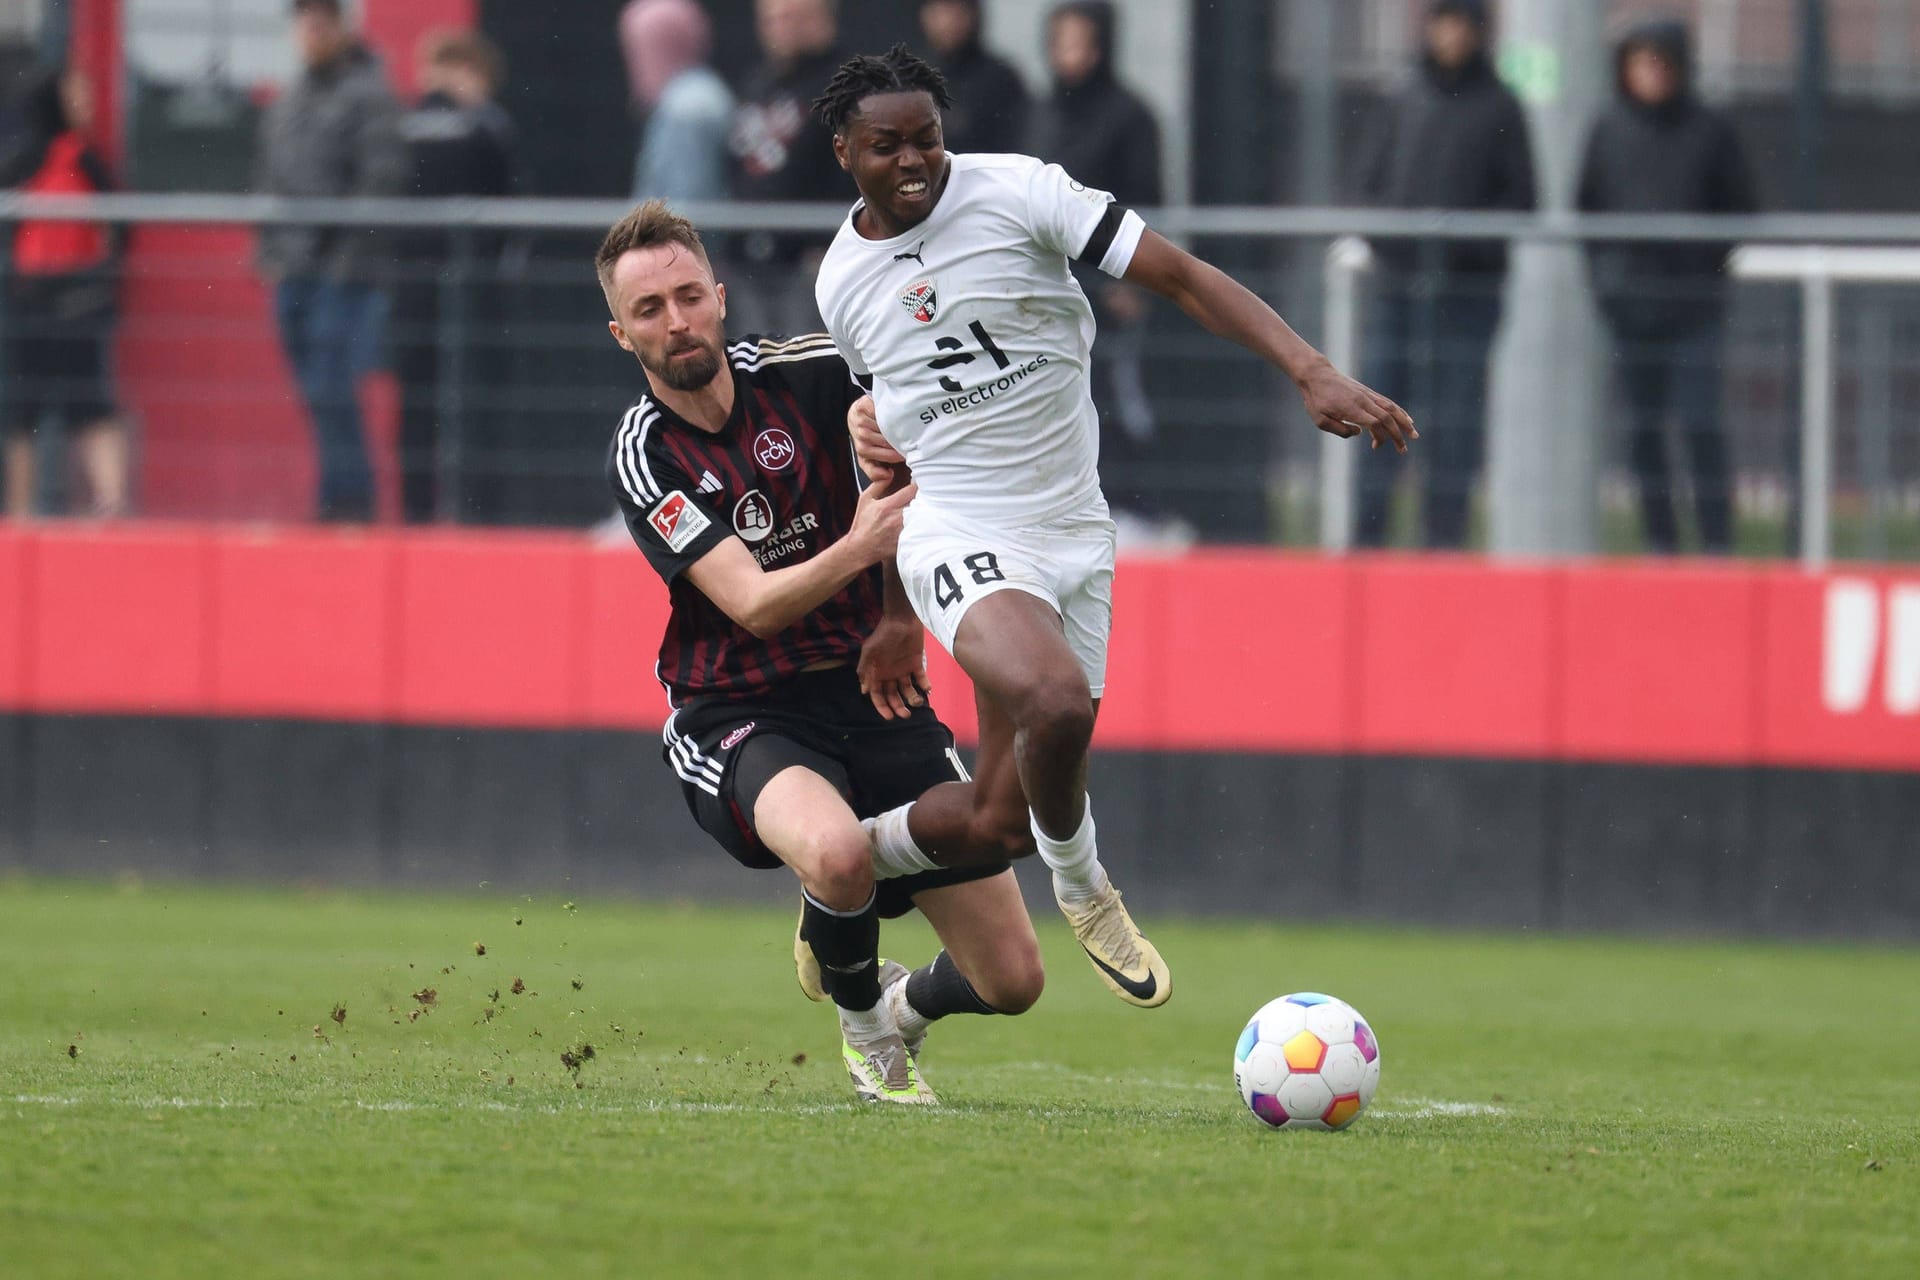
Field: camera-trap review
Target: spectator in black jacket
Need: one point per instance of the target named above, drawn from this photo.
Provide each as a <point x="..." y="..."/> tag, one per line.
<point x="1105" y="136"/>
<point x="459" y="143"/>
<point x="1455" y="139"/>
<point x="782" y="151"/>
<point x="1659" y="149"/>
<point x="989" y="99"/>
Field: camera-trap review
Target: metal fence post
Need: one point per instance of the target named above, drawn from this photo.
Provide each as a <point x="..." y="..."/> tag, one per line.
<point x="1347" y="259"/>
<point x="1816" y="414"/>
<point x="1877" y="362"/>
<point x="450" y="389"/>
<point x="1545" y="408"/>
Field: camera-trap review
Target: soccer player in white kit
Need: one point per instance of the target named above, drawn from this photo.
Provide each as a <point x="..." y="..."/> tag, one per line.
<point x="947" y="291"/>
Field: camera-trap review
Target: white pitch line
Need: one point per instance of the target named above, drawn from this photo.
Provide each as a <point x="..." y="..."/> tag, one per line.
<point x="651" y="1107"/>
<point x="1428" y="1108"/>
<point x="1399" y="1109"/>
<point x="1082" y="1077"/>
<point x="1408" y="1108"/>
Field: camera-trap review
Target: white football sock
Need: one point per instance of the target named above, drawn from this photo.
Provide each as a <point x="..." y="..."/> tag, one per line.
<point x="909" y="1019"/>
<point x="1075" y="863"/>
<point x="894" y="852"/>
<point x="865" y="1025"/>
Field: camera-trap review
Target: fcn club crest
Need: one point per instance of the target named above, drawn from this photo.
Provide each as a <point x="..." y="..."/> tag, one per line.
<point x="920" y="302"/>
<point x="773" y="449"/>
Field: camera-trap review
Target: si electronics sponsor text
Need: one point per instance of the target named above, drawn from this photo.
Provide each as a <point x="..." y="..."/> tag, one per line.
<point x="984" y="392"/>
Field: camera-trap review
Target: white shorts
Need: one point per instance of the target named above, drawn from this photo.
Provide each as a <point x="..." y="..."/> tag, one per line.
<point x="949" y="563"/>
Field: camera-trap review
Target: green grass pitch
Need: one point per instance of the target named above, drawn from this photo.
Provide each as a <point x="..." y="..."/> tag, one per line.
<point x="177" y="1099"/>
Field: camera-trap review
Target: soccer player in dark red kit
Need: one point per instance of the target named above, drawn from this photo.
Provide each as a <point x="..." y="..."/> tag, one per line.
<point x="792" y="661"/>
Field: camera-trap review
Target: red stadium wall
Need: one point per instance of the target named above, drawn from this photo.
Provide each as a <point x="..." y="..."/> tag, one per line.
<point x="1682" y="664"/>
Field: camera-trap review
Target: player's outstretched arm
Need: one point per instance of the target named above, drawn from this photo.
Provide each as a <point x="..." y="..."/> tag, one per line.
<point x="1223" y="306"/>
<point x="767" y="603"/>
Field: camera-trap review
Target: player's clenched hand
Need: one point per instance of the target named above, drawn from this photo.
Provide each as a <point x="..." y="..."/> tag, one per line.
<point x="893" y="666"/>
<point x="877" y="457"/>
<point x="877" y="521"/>
<point x="1345" y="408"/>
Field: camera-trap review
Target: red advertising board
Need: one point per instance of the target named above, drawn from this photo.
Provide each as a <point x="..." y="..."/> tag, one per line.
<point x="1683" y="663"/>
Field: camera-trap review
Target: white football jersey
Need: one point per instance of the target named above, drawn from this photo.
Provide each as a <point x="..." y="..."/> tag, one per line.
<point x="977" y="336"/>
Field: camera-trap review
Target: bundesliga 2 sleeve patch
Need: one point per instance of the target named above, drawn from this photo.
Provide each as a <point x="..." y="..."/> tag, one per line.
<point x="677" y="521"/>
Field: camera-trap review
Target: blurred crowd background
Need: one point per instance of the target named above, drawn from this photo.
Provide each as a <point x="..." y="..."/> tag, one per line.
<point x="194" y="360"/>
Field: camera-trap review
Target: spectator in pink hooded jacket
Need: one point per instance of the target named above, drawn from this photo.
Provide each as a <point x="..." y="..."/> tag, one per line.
<point x="686" y="107"/>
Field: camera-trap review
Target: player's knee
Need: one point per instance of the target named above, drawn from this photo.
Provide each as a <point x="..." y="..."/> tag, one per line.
<point x="1017" y="980"/>
<point x="1058" y="717"/>
<point x="1005" y="830"/>
<point x="837" y="868"/>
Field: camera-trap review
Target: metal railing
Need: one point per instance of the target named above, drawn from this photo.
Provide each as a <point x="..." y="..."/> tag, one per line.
<point x="1818" y="252"/>
<point x="535" y="214"/>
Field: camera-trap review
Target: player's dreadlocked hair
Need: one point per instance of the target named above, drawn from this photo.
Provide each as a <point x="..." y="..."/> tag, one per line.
<point x="897" y="70"/>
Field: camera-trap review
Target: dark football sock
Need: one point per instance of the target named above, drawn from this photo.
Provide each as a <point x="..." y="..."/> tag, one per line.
<point x="941" y="989"/>
<point x="847" y="945"/>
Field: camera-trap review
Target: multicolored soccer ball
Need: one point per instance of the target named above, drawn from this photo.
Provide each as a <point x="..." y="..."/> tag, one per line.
<point x="1307" y="1061"/>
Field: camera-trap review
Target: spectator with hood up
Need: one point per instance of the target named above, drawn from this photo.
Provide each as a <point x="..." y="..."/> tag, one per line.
<point x="1103" y="134"/>
<point x="685" y="105"/>
<point x="1659" y="149"/>
<point x="989" y="100"/>
<point x="1456" y="138"/>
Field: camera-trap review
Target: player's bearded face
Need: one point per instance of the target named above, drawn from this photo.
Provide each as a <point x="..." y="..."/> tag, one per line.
<point x="685" y="361"/>
<point x="673" y="317"/>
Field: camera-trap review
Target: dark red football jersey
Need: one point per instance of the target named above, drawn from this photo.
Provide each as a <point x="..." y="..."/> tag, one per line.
<point x="781" y="477"/>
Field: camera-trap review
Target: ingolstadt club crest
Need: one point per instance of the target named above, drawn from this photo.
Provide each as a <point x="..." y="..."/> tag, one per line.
<point x="920" y="301"/>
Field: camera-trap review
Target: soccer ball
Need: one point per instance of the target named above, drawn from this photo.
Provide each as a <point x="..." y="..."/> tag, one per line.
<point x="1307" y="1061"/>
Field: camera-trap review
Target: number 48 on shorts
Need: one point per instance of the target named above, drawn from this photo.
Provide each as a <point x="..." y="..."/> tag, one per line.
<point x="982" y="566"/>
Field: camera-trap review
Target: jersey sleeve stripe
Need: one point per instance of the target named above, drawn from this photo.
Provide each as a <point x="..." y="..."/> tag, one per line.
<point x="1125" y="243"/>
<point x="1101" y="238"/>
<point x="635" y="474"/>
<point x="623" y="443"/>
<point x="640" y="450"/>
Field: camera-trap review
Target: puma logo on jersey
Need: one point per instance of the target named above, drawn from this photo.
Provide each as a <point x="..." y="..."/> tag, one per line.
<point x="920" y="301"/>
<point x="913" y="254"/>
